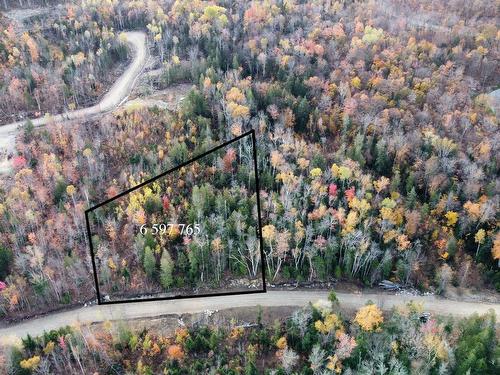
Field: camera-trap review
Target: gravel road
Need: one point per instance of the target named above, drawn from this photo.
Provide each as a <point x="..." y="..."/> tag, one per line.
<point x="117" y="94"/>
<point x="92" y="314"/>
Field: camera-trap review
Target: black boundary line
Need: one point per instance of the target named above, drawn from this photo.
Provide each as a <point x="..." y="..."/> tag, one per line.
<point x="259" y="227"/>
<point x="221" y="294"/>
<point x="170" y="171"/>
<point x="92" y="256"/>
<point x="259" y="216"/>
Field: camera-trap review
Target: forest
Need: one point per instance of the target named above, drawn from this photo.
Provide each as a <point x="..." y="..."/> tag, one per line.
<point x="191" y="231"/>
<point x="317" y="339"/>
<point x="378" y="145"/>
<point x="64" y="62"/>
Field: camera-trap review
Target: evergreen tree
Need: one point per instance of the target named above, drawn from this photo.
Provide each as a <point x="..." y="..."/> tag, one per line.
<point x="302" y="114"/>
<point x="236" y="63"/>
<point x="5" y="262"/>
<point x="477" y="348"/>
<point x="357" y="153"/>
<point x="411" y="199"/>
<point x="410" y="183"/>
<point x="251" y="369"/>
<point x="149" y="262"/>
<point x="166" y="268"/>
<point x="195" y="105"/>
<point x="381" y="160"/>
<point x="395" y="181"/>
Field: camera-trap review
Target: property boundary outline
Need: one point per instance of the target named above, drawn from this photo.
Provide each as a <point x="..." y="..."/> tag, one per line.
<point x="184" y="164"/>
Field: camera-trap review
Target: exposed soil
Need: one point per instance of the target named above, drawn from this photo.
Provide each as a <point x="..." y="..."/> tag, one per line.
<point x="454" y="294"/>
<point x="244" y="317"/>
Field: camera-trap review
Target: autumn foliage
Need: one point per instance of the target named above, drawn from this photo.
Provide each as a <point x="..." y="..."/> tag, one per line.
<point x="406" y="341"/>
<point x="377" y="142"/>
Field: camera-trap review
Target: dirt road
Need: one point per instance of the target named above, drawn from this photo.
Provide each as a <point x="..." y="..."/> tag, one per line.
<point x="117" y="94"/>
<point x="86" y="315"/>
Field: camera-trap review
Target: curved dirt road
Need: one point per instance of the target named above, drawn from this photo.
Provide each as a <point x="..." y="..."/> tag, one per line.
<point x="92" y="314"/>
<point x="117" y="94"/>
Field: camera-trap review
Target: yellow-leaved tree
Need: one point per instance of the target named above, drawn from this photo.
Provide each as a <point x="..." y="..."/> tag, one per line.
<point x="332" y="322"/>
<point x="30" y="363"/>
<point x="452" y="218"/>
<point x="369" y="317"/>
<point x="479" y="239"/>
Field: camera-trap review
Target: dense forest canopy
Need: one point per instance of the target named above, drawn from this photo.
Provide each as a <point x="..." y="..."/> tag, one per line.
<point x="199" y="223"/>
<point x="378" y="144"/>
